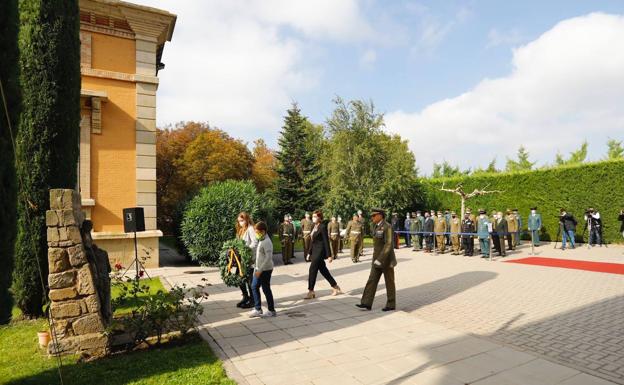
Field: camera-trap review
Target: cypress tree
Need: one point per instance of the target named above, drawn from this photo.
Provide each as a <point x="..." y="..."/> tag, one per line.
<point x="297" y="180"/>
<point x="9" y="22"/>
<point x="47" y="143"/>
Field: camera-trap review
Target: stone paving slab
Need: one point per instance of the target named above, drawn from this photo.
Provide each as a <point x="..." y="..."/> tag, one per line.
<point x="460" y="321"/>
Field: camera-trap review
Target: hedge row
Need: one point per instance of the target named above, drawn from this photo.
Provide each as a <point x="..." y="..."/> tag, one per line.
<point x="599" y="185"/>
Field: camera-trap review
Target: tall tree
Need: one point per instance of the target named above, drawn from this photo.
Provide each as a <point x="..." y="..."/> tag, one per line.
<point x="522" y="164"/>
<point x="9" y="112"/>
<point x="446" y="170"/>
<point x="616" y="151"/>
<point x="365" y="166"/>
<point x="576" y="157"/>
<point x="297" y="177"/>
<point x="263" y="171"/>
<point x="47" y="142"/>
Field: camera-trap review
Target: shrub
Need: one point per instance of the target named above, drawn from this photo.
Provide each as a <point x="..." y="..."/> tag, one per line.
<point x="574" y="188"/>
<point x="209" y="217"/>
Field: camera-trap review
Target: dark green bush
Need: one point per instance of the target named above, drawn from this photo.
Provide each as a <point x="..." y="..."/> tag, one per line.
<point x="209" y="217"/>
<point x="575" y="188"/>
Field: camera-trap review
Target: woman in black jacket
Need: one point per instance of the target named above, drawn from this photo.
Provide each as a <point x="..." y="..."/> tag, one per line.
<point x="319" y="252"/>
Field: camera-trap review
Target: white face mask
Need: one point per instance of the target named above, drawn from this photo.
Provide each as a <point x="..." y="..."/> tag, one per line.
<point x="315" y="219"/>
<point x="482" y="216"/>
<point x="532" y="211"/>
<point x="242" y="223"/>
<point x="439" y="215"/>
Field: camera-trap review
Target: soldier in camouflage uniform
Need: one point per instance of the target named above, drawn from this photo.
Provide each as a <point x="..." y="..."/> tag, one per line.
<point x="287" y="237"/>
<point x="333" y="230"/>
<point x="354" y="232"/>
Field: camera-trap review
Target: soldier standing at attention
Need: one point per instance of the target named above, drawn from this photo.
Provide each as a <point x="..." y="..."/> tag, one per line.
<point x="512" y="228"/>
<point x="363" y="223"/>
<point x="535" y="225"/>
<point x="447" y="218"/>
<point x="483" y="232"/>
<point x="340" y="227"/>
<point x="287" y="234"/>
<point x="384" y="262"/>
<point x="428" y="230"/>
<point x="354" y="232"/>
<point x="502" y="230"/>
<point x="519" y="223"/>
<point x="455" y="230"/>
<point x="440" y="227"/>
<point x="420" y="226"/>
<point x="396" y="226"/>
<point x="407" y="226"/>
<point x="306" y="229"/>
<point x="468" y="227"/>
<point x="495" y="237"/>
<point x="333" y="229"/>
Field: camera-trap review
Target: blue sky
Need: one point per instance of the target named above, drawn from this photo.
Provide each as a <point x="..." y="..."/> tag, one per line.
<point x="239" y="63"/>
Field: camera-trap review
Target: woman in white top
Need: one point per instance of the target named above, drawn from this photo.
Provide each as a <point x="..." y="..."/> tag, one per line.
<point x="245" y="231"/>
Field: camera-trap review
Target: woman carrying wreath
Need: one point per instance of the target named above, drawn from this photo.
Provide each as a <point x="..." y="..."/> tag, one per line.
<point x="245" y="232"/>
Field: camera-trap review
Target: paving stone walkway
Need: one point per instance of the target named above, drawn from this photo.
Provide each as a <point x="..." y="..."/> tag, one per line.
<point x="460" y="321"/>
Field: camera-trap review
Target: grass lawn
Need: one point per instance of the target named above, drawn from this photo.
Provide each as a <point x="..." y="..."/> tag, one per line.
<point x="23" y="362"/>
<point x="126" y="306"/>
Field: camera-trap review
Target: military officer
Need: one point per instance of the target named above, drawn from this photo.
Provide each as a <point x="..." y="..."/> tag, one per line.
<point x="341" y="227"/>
<point x="420" y="227"/>
<point x="447" y="219"/>
<point x="471" y="216"/>
<point x="439" y="227"/>
<point x="384" y="261"/>
<point x="333" y="230"/>
<point x="483" y="233"/>
<point x="354" y="233"/>
<point x="406" y="226"/>
<point x="415" y="229"/>
<point x="495" y="237"/>
<point x="287" y="235"/>
<point x="363" y="223"/>
<point x="468" y="227"/>
<point x="306" y="229"/>
<point x="455" y="229"/>
<point x="535" y="225"/>
<point x="519" y="222"/>
<point x="428" y="226"/>
<point x="512" y="228"/>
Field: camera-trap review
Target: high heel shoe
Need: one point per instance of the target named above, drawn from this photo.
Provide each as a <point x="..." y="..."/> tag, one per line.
<point x="336" y="290"/>
<point x="310" y="295"/>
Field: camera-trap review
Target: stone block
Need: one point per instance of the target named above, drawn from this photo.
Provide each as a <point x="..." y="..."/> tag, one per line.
<point x="62" y="231"/>
<point x="63" y="294"/>
<point x="56" y="199"/>
<point x="93" y="303"/>
<point x="85" y="281"/>
<point x="53" y="234"/>
<point x="61" y="280"/>
<point x="67" y="217"/>
<point x="73" y="234"/>
<point x="58" y="260"/>
<point x="65" y="309"/>
<point x="51" y="218"/>
<point x="77" y="256"/>
<point x="88" y="324"/>
<point x="68" y="199"/>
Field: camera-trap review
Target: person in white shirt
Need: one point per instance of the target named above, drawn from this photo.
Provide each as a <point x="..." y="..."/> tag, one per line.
<point x="262" y="273"/>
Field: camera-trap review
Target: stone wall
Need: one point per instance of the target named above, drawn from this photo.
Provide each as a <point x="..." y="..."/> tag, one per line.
<point x="78" y="279"/>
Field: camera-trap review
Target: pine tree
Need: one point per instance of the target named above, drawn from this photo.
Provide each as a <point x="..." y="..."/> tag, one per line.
<point x="47" y="142"/>
<point x="9" y="22"/>
<point x="616" y="151"/>
<point x="522" y="164"/>
<point x="296" y="188"/>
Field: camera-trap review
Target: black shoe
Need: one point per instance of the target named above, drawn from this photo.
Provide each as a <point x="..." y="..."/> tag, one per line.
<point x="388" y="309"/>
<point x="362" y="306"/>
<point x="242" y="302"/>
<point x="248" y="305"/>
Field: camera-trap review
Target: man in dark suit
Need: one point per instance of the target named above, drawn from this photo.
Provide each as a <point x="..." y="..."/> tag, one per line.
<point x="501" y="230"/>
<point x="428" y="230"/>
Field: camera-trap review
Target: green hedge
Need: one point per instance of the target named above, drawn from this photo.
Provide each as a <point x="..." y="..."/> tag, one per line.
<point x="210" y="217"/>
<point x="599" y="185"/>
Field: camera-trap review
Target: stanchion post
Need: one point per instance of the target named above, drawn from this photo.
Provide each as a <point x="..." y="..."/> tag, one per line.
<point x="490" y="244"/>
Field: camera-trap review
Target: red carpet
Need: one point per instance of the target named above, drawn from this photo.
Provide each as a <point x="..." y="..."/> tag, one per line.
<point x="601" y="267"/>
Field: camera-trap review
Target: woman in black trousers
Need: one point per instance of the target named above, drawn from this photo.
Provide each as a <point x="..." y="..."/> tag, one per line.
<point x="319" y="252"/>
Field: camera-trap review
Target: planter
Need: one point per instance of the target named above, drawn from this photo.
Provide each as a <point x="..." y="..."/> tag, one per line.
<point x="44" y="338"/>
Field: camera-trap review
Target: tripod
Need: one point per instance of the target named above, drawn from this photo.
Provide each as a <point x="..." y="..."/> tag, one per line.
<point x="558" y="233"/>
<point x="138" y="265"/>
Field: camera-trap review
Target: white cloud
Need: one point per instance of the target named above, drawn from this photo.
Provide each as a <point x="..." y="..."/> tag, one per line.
<point x="433" y="31"/>
<point x="239" y="63"/>
<point x="510" y="37"/>
<point x="565" y="86"/>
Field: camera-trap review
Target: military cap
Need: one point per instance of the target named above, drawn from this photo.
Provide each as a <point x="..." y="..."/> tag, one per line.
<point x="378" y="211"/>
<point x="453" y="213"/>
<point x="418" y="212"/>
<point x="439" y="212"/>
<point x="534" y="208"/>
<point x="516" y="210"/>
<point x="481" y="211"/>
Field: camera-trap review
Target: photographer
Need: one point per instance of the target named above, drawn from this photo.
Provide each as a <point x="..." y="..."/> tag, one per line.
<point x="594" y="224"/>
<point x="621" y="219"/>
<point x="568" y="228"/>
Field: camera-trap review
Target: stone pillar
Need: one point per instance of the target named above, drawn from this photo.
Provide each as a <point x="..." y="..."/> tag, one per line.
<point x="79" y="288"/>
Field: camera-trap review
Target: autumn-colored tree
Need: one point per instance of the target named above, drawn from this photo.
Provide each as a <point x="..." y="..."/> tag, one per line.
<point x="263" y="171"/>
<point x="171" y="186"/>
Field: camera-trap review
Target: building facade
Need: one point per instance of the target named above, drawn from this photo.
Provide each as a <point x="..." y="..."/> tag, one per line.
<point x="121" y="48"/>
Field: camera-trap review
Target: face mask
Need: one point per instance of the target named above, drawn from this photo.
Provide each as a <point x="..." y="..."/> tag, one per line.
<point x="482" y="216"/>
<point x="242" y="223"/>
<point x="532" y="211"/>
<point x="259" y="236"/>
<point x="439" y="215"/>
<point x="315" y="219"/>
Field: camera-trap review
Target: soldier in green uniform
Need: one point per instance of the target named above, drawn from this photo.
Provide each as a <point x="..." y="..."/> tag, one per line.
<point x="455" y="230"/>
<point x="502" y="230"/>
<point x="519" y="231"/>
<point x="354" y="233"/>
<point x="287" y="236"/>
<point x="420" y="227"/>
<point x="384" y="262"/>
<point x="439" y="227"/>
<point x="447" y="219"/>
<point x="363" y="223"/>
<point x="512" y="229"/>
<point x="333" y="230"/>
<point x="306" y="229"/>
<point x="340" y="227"/>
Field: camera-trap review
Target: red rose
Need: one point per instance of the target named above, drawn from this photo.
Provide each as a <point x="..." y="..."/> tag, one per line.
<point x="118" y="266"/>
<point x="141" y="273"/>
